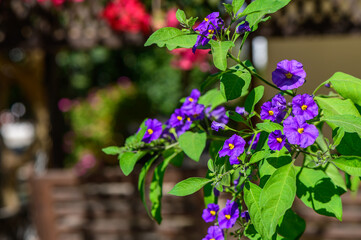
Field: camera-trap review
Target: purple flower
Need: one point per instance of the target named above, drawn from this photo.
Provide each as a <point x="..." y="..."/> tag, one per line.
<point x="276" y="140"/>
<point x="192" y="98"/>
<point x="268" y="111"/>
<point x="183" y="128"/>
<point x="233" y="147"/>
<point x="279" y="101"/>
<point x="196" y="112"/>
<point x="216" y="126"/>
<point x="245" y="215"/>
<point x="289" y="75"/>
<point x="228" y="216"/>
<point x="244" y="27"/>
<point x="177" y="118"/>
<point x="254" y="145"/>
<point x="209" y="214"/>
<point x="154" y="130"/>
<point x="304" y="106"/>
<point x="218" y="114"/>
<point x="216" y="192"/>
<point x="241" y="111"/>
<point x="214" y="233"/>
<point x="210" y="26"/>
<point x="299" y="132"/>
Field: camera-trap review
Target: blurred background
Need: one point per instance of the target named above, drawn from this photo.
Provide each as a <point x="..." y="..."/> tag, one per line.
<point x="75" y="77"/>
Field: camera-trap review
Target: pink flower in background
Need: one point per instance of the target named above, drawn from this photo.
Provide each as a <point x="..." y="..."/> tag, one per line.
<point x="58" y="2"/>
<point x="127" y="16"/>
<point x="171" y="18"/>
<point x="184" y="59"/>
<point x="65" y="104"/>
<point x="86" y="162"/>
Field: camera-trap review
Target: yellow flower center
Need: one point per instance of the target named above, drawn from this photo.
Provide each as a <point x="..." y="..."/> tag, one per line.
<point x="304" y="107"/>
<point x="279" y="140"/>
<point x="150" y="131"/>
<point x="231" y="146"/>
<point x="300" y="130"/>
<point x="188" y="119"/>
<point x="270" y="112"/>
<point x="190" y="99"/>
<point x="206" y="19"/>
<point x="212" y="239"/>
<point x="289" y="75"/>
<point x="212" y="213"/>
<point x="228" y="216"/>
<point x="179" y="118"/>
<point x="211" y="31"/>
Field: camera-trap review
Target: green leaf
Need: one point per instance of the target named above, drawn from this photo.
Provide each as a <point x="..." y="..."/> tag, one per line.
<point x="348" y="123"/>
<point x="234" y="84"/>
<point x="113" y="150"/>
<point x="257" y="9"/>
<point x="210" y="165"/>
<point x="219" y="52"/>
<point x="193" y="144"/>
<point x="340" y="133"/>
<point x="181" y="16"/>
<point x="237" y="4"/>
<point x="258" y="156"/>
<point x="333" y="172"/>
<point x="189" y="186"/>
<point x="269" y="127"/>
<point x="191" y="21"/>
<point x="349" y="164"/>
<point x="253" y="98"/>
<point x="277" y="197"/>
<point x="208" y="193"/>
<point x="252" y="194"/>
<point x="171" y="38"/>
<point x="347" y="86"/>
<point x="229" y="8"/>
<point x="127" y="161"/>
<point x="336" y="106"/>
<point x="141" y="181"/>
<point x="350" y="145"/>
<point x="236" y="116"/>
<point x="273" y="162"/>
<point x="291" y="225"/>
<point x="211" y="79"/>
<point x="212" y="98"/>
<point x="251" y="233"/>
<point x="317" y="191"/>
<point x="156" y="187"/>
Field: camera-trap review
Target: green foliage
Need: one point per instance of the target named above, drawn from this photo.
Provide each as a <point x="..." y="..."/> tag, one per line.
<point x="291" y="225"/>
<point x="336" y="106"/>
<point x="317" y="191"/>
<point x="219" y="52"/>
<point x="193" y="144"/>
<point x="113" y="150"/>
<point x="234" y="84"/>
<point x="156" y="186"/>
<point x="236" y="6"/>
<point x="181" y="16"/>
<point x="252" y="194"/>
<point x="259" y="8"/>
<point x="277" y="197"/>
<point x="212" y="98"/>
<point x="347" y="86"/>
<point x="269" y="126"/>
<point x="258" y="156"/>
<point x="348" y="123"/>
<point x="253" y="98"/>
<point x="349" y="164"/>
<point x="127" y="161"/>
<point x="189" y="186"/>
<point x="350" y="145"/>
<point x="171" y="38"/>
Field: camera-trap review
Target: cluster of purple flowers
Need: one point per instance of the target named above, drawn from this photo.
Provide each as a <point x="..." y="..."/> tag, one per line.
<point x="183" y="117"/>
<point x="227" y="217"/>
<point x="208" y="28"/>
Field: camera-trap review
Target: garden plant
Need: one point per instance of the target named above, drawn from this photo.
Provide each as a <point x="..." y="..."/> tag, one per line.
<point x="272" y="156"/>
